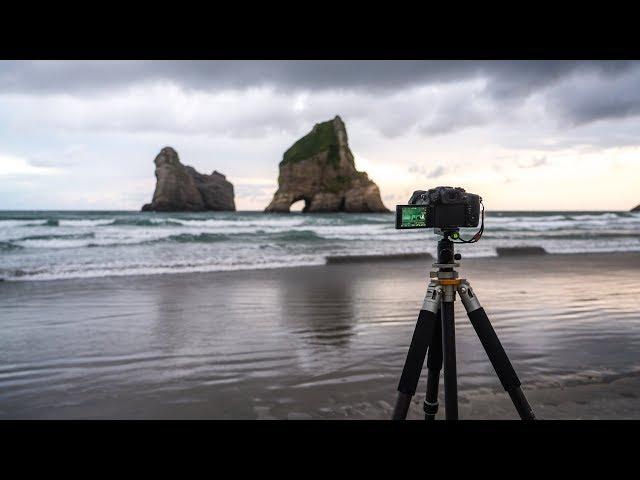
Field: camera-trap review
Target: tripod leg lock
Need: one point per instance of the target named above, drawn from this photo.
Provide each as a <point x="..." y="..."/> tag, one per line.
<point x="432" y="298"/>
<point x="468" y="296"/>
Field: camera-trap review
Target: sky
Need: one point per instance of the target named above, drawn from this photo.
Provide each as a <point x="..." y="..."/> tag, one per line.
<point x="525" y="135"/>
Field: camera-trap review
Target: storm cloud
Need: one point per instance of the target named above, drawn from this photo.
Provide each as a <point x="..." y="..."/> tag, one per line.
<point x="508" y="77"/>
<point x="607" y="84"/>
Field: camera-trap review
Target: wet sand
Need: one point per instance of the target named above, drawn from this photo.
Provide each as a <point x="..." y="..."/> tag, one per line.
<point x="317" y="342"/>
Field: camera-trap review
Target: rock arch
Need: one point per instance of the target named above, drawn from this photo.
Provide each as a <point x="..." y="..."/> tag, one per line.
<point x="320" y="169"/>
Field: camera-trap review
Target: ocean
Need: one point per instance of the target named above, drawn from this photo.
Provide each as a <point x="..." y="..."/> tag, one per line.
<point x="51" y="245"/>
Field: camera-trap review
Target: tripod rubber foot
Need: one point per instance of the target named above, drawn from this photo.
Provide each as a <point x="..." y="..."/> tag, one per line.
<point x="402" y="406"/>
<point x="522" y="405"/>
<point x="430" y="410"/>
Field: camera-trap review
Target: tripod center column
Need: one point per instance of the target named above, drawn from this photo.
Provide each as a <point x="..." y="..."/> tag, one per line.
<point x="446" y="275"/>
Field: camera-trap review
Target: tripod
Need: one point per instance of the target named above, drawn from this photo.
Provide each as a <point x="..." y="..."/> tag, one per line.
<point x="438" y="338"/>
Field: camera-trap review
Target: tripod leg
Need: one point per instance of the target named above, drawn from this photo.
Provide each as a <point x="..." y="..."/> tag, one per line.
<point x="449" y="360"/>
<point x="495" y="351"/>
<point x="434" y="365"/>
<point x="422" y="336"/>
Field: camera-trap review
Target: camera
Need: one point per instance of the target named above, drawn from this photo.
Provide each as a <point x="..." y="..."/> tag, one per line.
<point x="440" y="207"/>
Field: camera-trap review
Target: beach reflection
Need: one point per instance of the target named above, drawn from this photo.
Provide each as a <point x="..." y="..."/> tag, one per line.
<point x="319" y="312"/>
<point x="313" y="341"/>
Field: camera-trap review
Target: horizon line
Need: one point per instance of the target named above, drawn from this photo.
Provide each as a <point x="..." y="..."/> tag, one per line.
<point x="281" y="213"/>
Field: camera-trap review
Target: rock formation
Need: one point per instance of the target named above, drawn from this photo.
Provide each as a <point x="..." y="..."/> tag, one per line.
<point x="636" y="208"/>
<point x="182" y="188"/>
<point x="320" y="170"/>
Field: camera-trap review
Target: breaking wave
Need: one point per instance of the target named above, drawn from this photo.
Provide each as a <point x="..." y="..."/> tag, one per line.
<point x="52" y="245"/>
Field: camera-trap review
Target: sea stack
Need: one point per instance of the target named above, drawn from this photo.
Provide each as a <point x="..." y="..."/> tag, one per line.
<point x="180" y="188"/>
<point x="319" y="169"/>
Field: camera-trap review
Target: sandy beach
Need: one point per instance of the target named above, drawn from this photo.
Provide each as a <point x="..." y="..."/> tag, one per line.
<point x="319" y="342"/>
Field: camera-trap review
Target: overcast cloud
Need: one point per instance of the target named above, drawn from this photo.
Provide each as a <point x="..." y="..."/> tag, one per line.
<point x="102" y="122"/>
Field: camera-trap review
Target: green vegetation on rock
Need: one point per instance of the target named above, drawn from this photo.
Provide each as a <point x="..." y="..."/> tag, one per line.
<point x="338" y="184"/>
<point x="322" y="138"/>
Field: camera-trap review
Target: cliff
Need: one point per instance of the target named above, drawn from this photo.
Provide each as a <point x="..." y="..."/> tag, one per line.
<point x="319" y="169"/>
<point x="181" y="188"/>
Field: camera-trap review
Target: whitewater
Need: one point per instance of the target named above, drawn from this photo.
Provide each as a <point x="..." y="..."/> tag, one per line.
<point x="51" y="245"/>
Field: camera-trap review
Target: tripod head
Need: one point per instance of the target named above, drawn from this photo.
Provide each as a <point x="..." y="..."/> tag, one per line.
<point x="446" y="253"/>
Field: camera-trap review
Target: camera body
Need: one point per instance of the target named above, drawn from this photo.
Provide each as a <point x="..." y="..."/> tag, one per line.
<point x="440" y="207"/>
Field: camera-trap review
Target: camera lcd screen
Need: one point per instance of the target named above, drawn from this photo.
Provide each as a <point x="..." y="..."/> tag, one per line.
<point x="411" y="216"/>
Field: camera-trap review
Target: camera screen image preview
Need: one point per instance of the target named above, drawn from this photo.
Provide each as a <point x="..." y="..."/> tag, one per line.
<point x="414" y="217"/>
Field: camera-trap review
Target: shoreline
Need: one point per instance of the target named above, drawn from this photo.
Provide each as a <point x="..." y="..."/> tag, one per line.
<point x="350" y="260"/>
